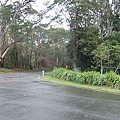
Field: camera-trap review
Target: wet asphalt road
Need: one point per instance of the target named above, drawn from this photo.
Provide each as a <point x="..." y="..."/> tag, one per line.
<point x="25" y="97"/>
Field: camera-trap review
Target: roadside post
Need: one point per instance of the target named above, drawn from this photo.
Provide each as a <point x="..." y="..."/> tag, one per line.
<point x="43" y="72"/>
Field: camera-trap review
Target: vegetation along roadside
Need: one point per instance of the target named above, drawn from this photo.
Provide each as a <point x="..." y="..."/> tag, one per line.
<point x="109" y="82"/>
<point x="5" y="70"/>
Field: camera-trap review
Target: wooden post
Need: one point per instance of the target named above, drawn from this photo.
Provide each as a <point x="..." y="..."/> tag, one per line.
<point x="101" y="67"/>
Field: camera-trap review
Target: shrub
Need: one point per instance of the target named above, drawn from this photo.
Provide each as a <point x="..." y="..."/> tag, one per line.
<point x="112" y="80"/>
<point x="58" y="72"/>
<point x="5" y="70"/>
<point x="69" y="75"/>
<point x="92" y="78"/>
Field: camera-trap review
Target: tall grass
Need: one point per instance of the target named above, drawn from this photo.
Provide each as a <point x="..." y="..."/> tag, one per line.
<point x="91" y="78"/>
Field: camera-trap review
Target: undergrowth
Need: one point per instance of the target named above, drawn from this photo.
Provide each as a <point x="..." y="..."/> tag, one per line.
<point x="110" y="79"/>
<point x="5" y="70"/>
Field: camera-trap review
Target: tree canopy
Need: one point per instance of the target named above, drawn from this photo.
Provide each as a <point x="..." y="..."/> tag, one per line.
<point x="92" y="41"/>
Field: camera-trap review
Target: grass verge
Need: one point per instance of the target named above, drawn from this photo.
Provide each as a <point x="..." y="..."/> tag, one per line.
<point x="5" y="70"/>
<point x="68" y="83"/>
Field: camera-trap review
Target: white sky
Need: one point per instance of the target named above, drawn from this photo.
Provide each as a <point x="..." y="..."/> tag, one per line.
<point x="38" y="5"/>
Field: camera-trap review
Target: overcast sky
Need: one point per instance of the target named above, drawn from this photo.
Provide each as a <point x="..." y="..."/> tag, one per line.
<point x="38" y="5"/>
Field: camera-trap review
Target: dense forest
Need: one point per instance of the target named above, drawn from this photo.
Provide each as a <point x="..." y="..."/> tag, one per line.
<point x="91" y="42"/>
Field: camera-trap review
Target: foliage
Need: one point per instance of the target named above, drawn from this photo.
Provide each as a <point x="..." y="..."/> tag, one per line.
<point x="90" y="24"/>
<point x="91" y="78"/>
<point x="116" y="21"/>
<point x="70" y="83"/>
<point x="93" y="37"/>
<point x="58" y="72"/>
<point x="5" y="70"/>
<point x="107" y="53"/>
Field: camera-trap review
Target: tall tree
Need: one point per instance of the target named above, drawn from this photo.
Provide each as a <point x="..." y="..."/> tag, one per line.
<point x="81" y="15"/>
<point x="8" y="15"/>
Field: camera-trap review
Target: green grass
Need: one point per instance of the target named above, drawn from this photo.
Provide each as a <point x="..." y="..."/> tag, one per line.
<point x="68" y="83"/>
<point x="5" y="70"/>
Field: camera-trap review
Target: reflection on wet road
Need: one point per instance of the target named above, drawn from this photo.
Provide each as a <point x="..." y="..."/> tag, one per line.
<point x="25" y="97"/>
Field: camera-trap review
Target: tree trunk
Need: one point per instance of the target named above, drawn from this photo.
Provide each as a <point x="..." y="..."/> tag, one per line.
<point x="1" y="60"/>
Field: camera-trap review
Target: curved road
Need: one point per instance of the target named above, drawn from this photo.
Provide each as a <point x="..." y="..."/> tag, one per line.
<point x="25" y="97"/>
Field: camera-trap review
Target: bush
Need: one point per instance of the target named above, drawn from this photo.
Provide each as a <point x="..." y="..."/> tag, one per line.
<point x="91" y="78"/>
<point x="5" y="70"/>
<point x="58" y="72"/>
<point x="112" y="80"/>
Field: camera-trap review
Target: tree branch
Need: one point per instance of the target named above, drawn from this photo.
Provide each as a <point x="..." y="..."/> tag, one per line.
<point x="7" y="48"/>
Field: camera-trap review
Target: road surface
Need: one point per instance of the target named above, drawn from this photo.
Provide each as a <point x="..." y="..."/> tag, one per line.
<point x="25" y="97"/>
